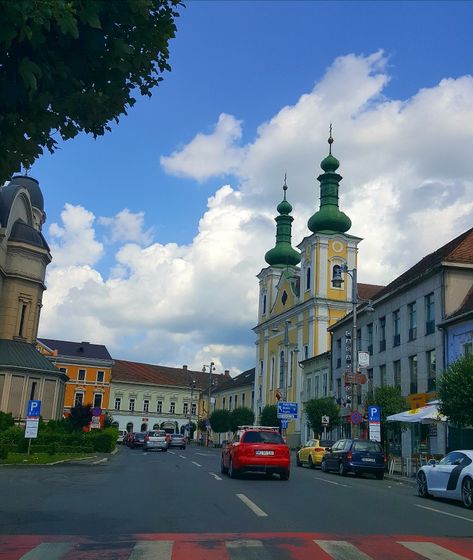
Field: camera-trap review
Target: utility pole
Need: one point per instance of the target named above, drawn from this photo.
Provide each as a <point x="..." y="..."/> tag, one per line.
<point x="211" y="369"/>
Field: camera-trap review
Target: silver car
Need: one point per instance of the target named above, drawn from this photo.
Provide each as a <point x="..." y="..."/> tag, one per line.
<point x="155" y="439"/>
<point x="178" y="440"/>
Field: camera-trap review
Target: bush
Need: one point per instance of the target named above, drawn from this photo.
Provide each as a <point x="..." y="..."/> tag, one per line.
<point x="22" y="445"/>
<point x="53" y="448"/>
<point x="12" y="435"/>
<point x="6" y="421"/>
<point x="3" y="452"/>
<point x="103" y="441"/>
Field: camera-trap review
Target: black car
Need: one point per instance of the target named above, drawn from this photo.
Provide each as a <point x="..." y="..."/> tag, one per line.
<point x="355" y="455"/>
<point x="138" y="440"/>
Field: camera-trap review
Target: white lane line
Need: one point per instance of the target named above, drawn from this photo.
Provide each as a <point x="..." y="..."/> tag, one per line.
<point x="254" y="508"/>
<point x="445" y="513"/>
<point x="432" y="551"/>
<point x="331" y="481"/>
<point x="205" y="454"/>
<point x="151" y="550"/>
<point x="182" y="456"/>
<point x="342" y="550"/>
<point x="48" y="551"/>
<point x="196" y="464"/>
<point x="171" y="452"/>
<point x="215" y="476"/>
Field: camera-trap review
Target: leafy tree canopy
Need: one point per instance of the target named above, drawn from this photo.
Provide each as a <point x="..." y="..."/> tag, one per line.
<point x="389" y="399"/>
<point x="455" y="391"/>
<point x="202" y="425"/>
<point x="80" y="416"/>
<point x="269" y="415"/>
<point x="220" y="421"/>
<point x="316" y="408"/>
<point x="241" y="416"/>
<point x="74" y="66"/>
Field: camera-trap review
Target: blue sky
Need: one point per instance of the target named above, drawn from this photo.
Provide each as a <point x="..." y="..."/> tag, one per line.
<point x="246" y="60"/>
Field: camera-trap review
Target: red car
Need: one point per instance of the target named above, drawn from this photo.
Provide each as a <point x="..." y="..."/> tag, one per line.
<point x="256" y="449"/>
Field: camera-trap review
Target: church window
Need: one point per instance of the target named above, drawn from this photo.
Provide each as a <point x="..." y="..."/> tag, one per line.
<point x="307" y="278"/>
<point x="271" y="377"/>
<point x="281" y="369"/>
<point x="264" y="304"/>
<point x="284" y="297"/>
<point x="22" y="319"/>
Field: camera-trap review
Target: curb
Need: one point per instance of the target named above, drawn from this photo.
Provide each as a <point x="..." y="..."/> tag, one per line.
<point x="48" y="464"/>
<point x="401" y="479"/>
<point x="115" y="451"/>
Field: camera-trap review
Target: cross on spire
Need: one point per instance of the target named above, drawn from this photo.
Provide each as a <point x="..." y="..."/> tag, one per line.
<point x="330" y="140"/>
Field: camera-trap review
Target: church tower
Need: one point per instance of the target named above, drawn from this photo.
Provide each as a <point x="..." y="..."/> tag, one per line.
<point x="297" y="302"/>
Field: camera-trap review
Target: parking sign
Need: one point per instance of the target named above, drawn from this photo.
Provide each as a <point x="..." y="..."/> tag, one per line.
<point x="34" y="409"/>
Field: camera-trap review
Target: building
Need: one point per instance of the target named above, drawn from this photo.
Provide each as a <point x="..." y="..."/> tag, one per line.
<point x="236" y="392"/>
<point x="458" y="331"/>
<point x="88" y="367"/>
<point x="146" y="396"/>
<point x="399" y="331"/>
<point x="297" y="302"/>
<point x="24" y="256"/>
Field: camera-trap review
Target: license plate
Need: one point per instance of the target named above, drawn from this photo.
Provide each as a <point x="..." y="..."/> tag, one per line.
<point x="368" y="460"/>
<point x="260" y="452"/>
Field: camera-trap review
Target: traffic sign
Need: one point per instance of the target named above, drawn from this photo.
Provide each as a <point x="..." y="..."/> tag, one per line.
<point x="96" y="411"/>
<point x="374" y="413"/>
<point x="31" y="430"/>
<point x="287" y="410"/>
<point x="356" y="417"/>
<point x="284" y="424"/>
<point x="34" y="409"/>
<point x="325" y="420"/>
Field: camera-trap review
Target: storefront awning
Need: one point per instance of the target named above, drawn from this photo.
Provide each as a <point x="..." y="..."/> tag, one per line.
<point x="424" y="415"/>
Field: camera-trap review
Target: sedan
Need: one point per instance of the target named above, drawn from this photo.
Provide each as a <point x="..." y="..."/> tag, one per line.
<point x="355" y="455"/>
<point x="177" y="440"/>
<point x="451" y="478"/>
<point x="312" y="453"/>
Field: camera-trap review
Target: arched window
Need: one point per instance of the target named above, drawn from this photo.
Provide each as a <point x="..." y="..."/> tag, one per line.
<point x="129" y="427"/>
<point x="264" y="304"/>
<point x="271" y="377"/>
<point x="281" y="370"/>
<point x="144" y="427"/>
<point x="307" y="278"/>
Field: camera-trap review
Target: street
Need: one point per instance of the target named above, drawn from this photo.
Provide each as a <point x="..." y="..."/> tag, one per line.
<point x="167" y="505"/>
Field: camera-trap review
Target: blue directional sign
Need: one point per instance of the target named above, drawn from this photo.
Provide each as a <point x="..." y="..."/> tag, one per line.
<point x="287" y="410"/>
<point x="284" y="424"/>
<point x="374" y="413"/>
<point x="34" y="409"/>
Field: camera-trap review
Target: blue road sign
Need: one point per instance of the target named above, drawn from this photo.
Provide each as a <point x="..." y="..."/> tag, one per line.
<point x="287" y="410"/>
<point x="284" y="424"/>
<point x="374" y="413"/>
<point x="34" y="408"/>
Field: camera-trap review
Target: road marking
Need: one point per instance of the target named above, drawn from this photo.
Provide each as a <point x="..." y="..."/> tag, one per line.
<point x="196" y="464"/>
<point x="254" y="508"/>
<point x="171" y="452"/>
<point x="342" y="550"/>
<point x="331" y="481"/>
<point x="48" y="551"/>
<point x="151" y="550"/>
<point x="204" y="454"/>
<point x="215" y="476"/>
<point x="182" y="456"/>
<point x="247" y="549"/>
<point x="445" y="513"/>
<point x="432" y="551"/>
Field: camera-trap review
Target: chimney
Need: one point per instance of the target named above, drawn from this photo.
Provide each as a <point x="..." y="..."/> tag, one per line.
<point x="184" y="367"/>
<point x="227" y="373"/>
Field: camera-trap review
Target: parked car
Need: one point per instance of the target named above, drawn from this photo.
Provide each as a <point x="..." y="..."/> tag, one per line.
<point x="121" y="436"/>
<point x="258" y="449"/>
<point x="452" y="478"/>
<point x="312" y="453"/>
<point x="355" y="455"/>
<point x="137" y="440"/>
<point x="155" y="439"/>
<point x="177" y="440"/>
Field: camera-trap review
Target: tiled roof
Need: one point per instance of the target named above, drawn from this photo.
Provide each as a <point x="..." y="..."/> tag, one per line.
<point x="459" y="250"/>
<point x="368" y="291"/>
<point x="77" y="349"/>
<point x="245" y="378"/>
<point x="24" y="356"/>
<point x="136" y="372"/>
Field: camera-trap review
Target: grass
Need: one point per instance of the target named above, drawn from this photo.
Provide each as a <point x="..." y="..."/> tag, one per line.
<point x="40" y="458"/>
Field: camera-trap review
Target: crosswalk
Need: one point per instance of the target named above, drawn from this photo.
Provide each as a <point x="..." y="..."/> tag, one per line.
<point x="275" y="546"/>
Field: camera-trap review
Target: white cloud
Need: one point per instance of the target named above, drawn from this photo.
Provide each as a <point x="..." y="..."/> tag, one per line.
<point x="407" y="187"/>
<point x="127" y="227"/>
<point x="208" y="155"/>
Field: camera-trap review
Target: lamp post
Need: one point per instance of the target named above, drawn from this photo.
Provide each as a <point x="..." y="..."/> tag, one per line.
<point x="192" y="385"/>
<point x="211" y="368"/>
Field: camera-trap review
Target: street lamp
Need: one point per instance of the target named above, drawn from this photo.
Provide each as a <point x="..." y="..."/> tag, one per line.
<point x="211" y="368"/>
<point x="192" y="386"/>
<point x="337" y="281"/>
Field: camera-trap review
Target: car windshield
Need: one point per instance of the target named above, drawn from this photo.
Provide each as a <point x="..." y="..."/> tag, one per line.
<point x="367" y="446"/>
<point x="262" y="437"/>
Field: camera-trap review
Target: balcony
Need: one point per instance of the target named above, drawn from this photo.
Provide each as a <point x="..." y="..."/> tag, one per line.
<point x="430" y="327"/>
<point x="396" y="340"/>
<point x="412" y="334"/>
<point x="382" y="345"/>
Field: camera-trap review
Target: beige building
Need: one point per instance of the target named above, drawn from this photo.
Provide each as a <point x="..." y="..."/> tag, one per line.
<point x="236" y="392"/>
<point x="24" y="256"/>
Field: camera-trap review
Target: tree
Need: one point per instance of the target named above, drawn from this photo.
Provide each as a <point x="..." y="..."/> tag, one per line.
<point x="202" y="425"/>
<point x="269" y="415"/>
<point x="74" y="66"/>
<point x="316" y="408"/>
<point x="220" y="421"/>
<point x="389" y="399"/>
<point x="455" y="391"/>
<point x="80" y="416"/>
<point x="241" y="416"/>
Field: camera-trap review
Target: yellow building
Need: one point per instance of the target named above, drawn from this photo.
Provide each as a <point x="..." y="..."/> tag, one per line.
<point x="297" y="302"/>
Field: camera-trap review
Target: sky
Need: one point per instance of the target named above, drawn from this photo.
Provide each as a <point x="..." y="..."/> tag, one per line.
<point x="159" y="228"/>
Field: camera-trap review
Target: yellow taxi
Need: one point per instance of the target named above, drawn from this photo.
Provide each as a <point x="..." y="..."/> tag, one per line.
<point x="311" y="453"/>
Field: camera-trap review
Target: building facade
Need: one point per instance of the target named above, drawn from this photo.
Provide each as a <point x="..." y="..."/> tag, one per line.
<point x="236" y="392"/>
<point x="24" y="256"/>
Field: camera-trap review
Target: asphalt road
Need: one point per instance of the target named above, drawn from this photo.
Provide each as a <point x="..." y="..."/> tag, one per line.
<point x="184" y="492"/>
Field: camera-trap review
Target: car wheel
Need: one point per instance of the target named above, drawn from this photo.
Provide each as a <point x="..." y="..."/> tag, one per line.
<point x="223" y="468"/>
<point x="422" y="488"/>
<point x="232" y="473"/>
<point x="165" y="448"/>
<point x="342" y="471"/>
<point x="323" y="466"/>
<point x="284" y="475"/>
<point x="380" y="475"/>
<point x="467" y="492"/>
<point x="311" y="463"/>
<point x="298" y="461"/>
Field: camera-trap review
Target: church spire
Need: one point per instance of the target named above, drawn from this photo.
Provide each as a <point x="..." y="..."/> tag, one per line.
<point x="329" y="219"/>
<point x="283" y="254"/>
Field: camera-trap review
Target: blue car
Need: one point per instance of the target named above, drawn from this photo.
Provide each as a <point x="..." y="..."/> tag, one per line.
<point x="355" y="455"/>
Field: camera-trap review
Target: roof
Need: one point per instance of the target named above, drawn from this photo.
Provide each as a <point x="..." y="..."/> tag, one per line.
<point x="136" y="372"/>
<point x="76" y="349"/>
<point x="24" y="356"/>
<point x="245" y="378"/>
<point x="368" y="291"/>
<point x="25" y="233"/>
<point x="464" y="311"/>
<point x="459" y="250"/>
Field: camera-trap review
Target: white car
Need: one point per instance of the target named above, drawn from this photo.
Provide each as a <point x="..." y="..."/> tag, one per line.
<point x="451" y="478"/>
